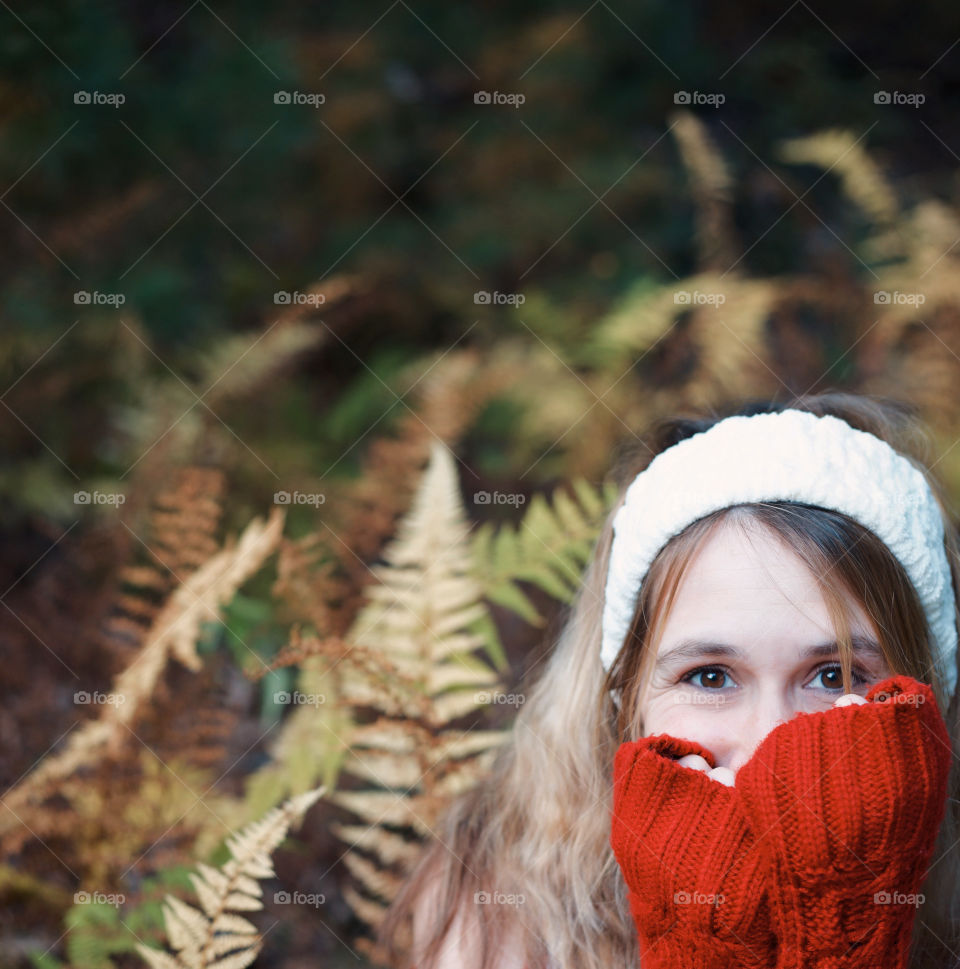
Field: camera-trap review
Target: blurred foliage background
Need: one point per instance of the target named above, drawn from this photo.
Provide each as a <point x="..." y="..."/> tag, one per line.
<point x="253" y="250"/>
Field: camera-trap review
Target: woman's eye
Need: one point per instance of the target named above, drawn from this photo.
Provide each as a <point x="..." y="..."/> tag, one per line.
<point x="830" y="678"/>
<point x="712" y="677"/>
<point x="833" y="677"/>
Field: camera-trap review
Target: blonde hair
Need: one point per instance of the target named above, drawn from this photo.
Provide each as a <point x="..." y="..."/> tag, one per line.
<point x="539" y="826"/>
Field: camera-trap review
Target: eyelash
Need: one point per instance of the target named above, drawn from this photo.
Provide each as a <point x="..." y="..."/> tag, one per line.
<point x="856" y="673"/>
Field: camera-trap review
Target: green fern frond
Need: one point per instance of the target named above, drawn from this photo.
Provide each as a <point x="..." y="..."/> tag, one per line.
<point x="549" y="548"/>
<point x="213" y="936"/>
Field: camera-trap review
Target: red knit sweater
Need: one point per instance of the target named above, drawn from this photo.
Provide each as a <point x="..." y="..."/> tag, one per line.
<point x="813" y="860"/>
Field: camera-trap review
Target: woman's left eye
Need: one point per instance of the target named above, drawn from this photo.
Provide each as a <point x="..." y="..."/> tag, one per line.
<point x="835" y="672"/>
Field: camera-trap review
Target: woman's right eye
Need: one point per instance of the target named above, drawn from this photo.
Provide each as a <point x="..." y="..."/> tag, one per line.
<point x="713" y="677"/>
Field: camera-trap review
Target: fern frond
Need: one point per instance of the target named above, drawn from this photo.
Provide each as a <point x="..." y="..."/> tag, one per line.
<point x="214" y="936"/>
<point x="549" y="548"/>
<point x="173" y="634"/>
<point x="840" y="152"/>
<point x="712" y="190"/>
<point x="414" y="661"/>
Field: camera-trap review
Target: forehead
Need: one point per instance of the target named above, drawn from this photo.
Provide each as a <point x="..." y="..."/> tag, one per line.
<point x="744" y="583"/>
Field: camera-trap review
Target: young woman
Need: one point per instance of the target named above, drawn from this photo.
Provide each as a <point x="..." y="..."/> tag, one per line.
<point x="683" y="788"/>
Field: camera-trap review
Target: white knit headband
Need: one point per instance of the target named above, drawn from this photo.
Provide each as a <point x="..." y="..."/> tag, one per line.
<point x="791" y="455"/>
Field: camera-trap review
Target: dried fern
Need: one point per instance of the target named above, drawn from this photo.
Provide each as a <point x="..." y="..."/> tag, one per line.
<point x="693" y="352"/>
<point x="843" y="153"/>
<point x="414" y="662"/>
<point x="712" y="190"/>
<point x="216" y="937"/>
<point x="184" y="519"/>
<point x="173" y="634"/>
<point x="321" y="577"/>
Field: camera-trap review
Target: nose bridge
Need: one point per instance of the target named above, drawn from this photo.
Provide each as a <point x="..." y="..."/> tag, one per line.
<point x="772" y="707"/>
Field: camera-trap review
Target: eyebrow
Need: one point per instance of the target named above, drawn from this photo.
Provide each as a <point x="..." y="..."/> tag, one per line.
<point x="695" y="648"/>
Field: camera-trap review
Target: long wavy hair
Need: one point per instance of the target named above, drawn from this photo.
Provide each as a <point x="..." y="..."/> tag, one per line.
<point x="535" y="833"/>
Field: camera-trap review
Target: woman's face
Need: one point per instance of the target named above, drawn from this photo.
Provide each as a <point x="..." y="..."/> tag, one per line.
<point x="737" y="656"/>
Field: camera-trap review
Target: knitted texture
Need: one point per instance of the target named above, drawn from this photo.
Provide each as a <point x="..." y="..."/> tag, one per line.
<point x="697" y="893"/>
<point x="792" y="455"/>
<point x="813" y="860"/>
<point x="846" y="804"/>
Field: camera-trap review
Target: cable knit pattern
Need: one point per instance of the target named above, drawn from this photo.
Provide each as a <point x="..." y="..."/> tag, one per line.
<point x="846" y="804"/>
<point x="686" y="853"/>
<point x="819" y="850"/>
<point x="792" y="455"/>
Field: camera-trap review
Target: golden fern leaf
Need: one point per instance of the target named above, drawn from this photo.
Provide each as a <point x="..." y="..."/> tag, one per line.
<point x="729" y="334"/>
<point x="213" y="936"/>
<point x="321" y="582"/>
<point x="712" y="190"/>
<point x="230" y="369"/>
<point x="173" y="634"/>
<point x="932" y="230"/>
<point x="840" y="151"/>
<point x="413" y="660"/>
<point x="549" y="548"/>
<point x="425" y="600"/>
<point x="697" y="339"/>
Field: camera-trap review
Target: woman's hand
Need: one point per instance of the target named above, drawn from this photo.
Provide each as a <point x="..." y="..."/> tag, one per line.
<point x="722" y="774"/>
<point x="687" y="855"/>
<point x="846" y="804"/>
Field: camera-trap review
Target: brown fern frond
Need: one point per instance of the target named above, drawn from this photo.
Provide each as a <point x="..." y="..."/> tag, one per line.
<point x="182" y="534"/>
<point x="173" y="635"/>
<point x="86" y="228"/>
